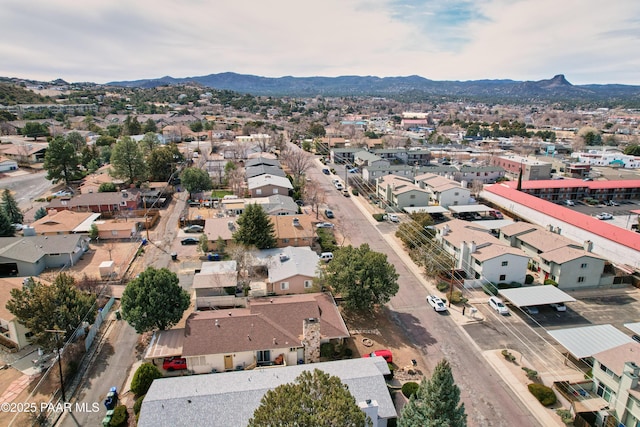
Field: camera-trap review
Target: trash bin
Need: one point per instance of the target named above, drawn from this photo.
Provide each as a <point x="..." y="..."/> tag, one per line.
<point x="174" y="256"/>
<point x="118" y="316"/>
<point x="144" y="242"/>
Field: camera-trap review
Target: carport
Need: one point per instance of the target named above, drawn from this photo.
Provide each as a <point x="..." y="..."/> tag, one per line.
<point x="458" y="209"/>
<point x="633" y="327"/>
<point x="586" y="341"/>
<point x="426" y="209"/>
<point x="535" y="295"/>
<point x="165" y="344"/>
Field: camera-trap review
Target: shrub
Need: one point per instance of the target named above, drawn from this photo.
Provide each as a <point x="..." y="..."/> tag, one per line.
<point x="528" y="279"/>
<point x="490" y="289"/>
<point x="531" y="374"/>
<point x="507" y="355"/>
<point x="355" y="191"/>
<point x="457" y="298"/>
<point x="565" y="415"/>
<point x="143" y="378"/>
<point x="442" y="286"/>
<point x="120" y="416"/>
<point x="409" y="389"/>
<point x="544" y="394"/>
<point x="138" y="404"/>
<point x="347" y="352"/>
<point x="550" y="282"/>
<point x="378" y="217"/>
<point x="326" y="349"/>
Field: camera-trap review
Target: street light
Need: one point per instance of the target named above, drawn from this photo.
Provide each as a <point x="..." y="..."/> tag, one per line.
<point x="56" y="331"/>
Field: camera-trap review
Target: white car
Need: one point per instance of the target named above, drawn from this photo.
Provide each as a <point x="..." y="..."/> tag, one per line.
<point x="604" y="215"/>
<point x="324" y="225"/>
<point x="559" y="306"/>
<point x="497" y="304"/>
<point x="436" y="303"/>
<point x="393" y="218"/>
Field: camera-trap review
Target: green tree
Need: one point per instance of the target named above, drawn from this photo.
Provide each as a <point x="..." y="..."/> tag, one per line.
<point x="196" y="126"/>
<point x="34" y="130"/>
<point x="6" y="228"/>
<point x="590" y="136"/>
<point x="93" y="232"/>
<point x="144" y="376"/>
<point x="163" y="162"/>
<point x="414" y="233"/>
<point x="195" y="180"/>
<point x="362" y="277"/>
<point x="132" y="126"/>
<point x="76" y="139"/>
<point x="150" y="126"/>
<point x="40" y="213"/>
<point x="60" y="305"/>
<point x="154" y="300"/>
<point x="436" y="403"/>
<point x="255" y="228"/>
<point x="61" y="161"/>
<point x="203" y="243"/>
<point x="632" y="150"/>
<point x="107" y="187"/>
<point x="105" y="141"/>
<point x="10" y="207"/>
<point x="88" y="154"/>
<point x="149" y="142"/>
<point x="313" y="400"/>
<point x="316" y="130"/>
<point x="127" y="160"/>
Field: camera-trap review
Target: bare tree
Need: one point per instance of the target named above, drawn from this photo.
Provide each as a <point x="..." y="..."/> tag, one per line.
<point x="314" y="195"/>
<point x="297" y="160"/>
<point x="235" y="179"/>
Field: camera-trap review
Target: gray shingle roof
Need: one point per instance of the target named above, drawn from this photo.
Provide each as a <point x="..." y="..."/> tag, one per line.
<point x="229" y="399"/>
<point x="32" y="248"/>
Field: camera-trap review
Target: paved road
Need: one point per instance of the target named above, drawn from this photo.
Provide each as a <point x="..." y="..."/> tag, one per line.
<point x="118" y="352"/>
<point x="26" y="187"/>
<point x="488" y="401"/>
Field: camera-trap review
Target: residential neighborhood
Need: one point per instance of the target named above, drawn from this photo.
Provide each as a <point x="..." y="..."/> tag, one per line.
<point x="223" y="253"/>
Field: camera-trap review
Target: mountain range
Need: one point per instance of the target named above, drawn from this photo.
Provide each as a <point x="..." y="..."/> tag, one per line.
<point x="413" y="87"/>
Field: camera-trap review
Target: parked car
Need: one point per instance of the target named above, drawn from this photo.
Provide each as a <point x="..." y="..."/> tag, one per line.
<point x="345" y="193"/>
<point x="324" y="225"/>
<point x="532" y="309"/>
<point x="329" y="213"/>
<point x="174" y="363"/>
<point x="63" y="193"/>
<point x="326" y="256"/>
<point x="496" y="214"/>
<point x="189" y="241"/>
<point x="604" y="215"/>
<point x="326" y="171"/>
<point x="497" y="304"/>
<point x="612" y="203"/>
<point x="193" y="229"/>
<point x="339" y="186"/>
<point x="569" y="203"/>
<point x="436" y="303"/>
<point x="353" y="170"/>
<point x="559" y="306"/>
<point x="393" y="218"/>
<point x="384" y="353"/>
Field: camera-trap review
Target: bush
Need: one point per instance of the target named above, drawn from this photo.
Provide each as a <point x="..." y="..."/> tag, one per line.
<point x="347" y="352"/>
<point x="120" y="416"/>
<point x="143" y="378"/>
<point x="326" y="350"/>
<point x="544" y="394"/>
<point x="457" y="298"/>
<point x="378" y="217"/>
<point x="442" y="286"/>
<point x="355" y="191"/>
<point x="409" y="389"/>
<point x="507" y="355"/>
<point x="550" y="282"/>
<point x="138" y="404"/>
<point x="490" y="289"/>
<point x="531" y="374"/>
<point x="565" y="415"/>
<point x="528" y="279"/>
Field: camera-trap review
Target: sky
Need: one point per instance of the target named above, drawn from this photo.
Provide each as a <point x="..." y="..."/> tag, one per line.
<point x="589" y="41"/>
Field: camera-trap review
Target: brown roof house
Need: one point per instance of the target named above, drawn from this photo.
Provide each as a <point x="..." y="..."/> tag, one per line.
<point x="293" y="230"/>
<point x="64" y="222"/>
<point x="285" y="330"/>
<point x="99" y="202"/>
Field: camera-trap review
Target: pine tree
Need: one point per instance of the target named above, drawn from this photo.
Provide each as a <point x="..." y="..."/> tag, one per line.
<point x="255" y="228"/>
<point x="10" y="207"/>
<point x="6" y="228"/>
<point x="40" y="213"/>
<point x="436" y="403"/>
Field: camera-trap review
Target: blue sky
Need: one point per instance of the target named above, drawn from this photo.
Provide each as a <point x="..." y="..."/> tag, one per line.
<point x="590" y="41"/>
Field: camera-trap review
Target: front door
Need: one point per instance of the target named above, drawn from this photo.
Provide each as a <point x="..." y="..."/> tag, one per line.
<point x="228" y="362"/>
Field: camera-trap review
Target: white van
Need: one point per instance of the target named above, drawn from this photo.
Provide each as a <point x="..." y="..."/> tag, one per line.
<point x="326" y="256"/>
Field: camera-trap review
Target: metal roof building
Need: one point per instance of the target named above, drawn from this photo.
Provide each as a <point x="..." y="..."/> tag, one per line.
<point x="588" y="340"/>
<point x="535" y="295"/>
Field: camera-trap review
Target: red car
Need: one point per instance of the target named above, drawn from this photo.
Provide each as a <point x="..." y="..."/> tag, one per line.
<point x="174" y="363"/>
<point x="384" y="353"/>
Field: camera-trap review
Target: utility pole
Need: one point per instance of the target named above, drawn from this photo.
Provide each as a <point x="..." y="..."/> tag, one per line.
<point x="56" y="331"/>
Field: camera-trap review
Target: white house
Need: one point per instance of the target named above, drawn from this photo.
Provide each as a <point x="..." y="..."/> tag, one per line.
<point x="400" y="192"/>
<point x="444" y="192"/>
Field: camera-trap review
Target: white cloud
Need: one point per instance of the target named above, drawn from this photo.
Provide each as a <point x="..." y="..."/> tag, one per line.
<point x="103" y="40"/>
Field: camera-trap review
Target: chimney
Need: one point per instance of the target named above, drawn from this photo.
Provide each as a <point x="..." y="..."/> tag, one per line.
<point x="370" y="408"/>
<point x="472" y="247"/>
<point x="311" y="339"/>
<point x="588" y="245"/>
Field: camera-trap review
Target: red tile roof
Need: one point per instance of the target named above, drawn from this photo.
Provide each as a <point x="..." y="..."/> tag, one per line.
<point x="575" y="183"/>
<point x="601" y="228"/>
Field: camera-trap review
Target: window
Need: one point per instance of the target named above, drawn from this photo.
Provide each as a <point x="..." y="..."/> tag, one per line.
<point x="505" y="263"/>
<point x="413" y="196"/>
<point x="275" y="191"/>
<point x="259" y="191"/>
<point x="478" y="262"/>
<point x="263" y="356"/>
<point x="284" y="286"/>
<point x="503" y="277"/>
<point x="456" y="193"/>
<point x="583" y="265"/>
<point x="605" y="392"/>
<point x="477" y="275"/>
<point x="308" y="284"/>
<point x="285" y="240"/>
<point x="54" y="254"/>
<point x="114" y="232"/>
<point x="581" y="279"/>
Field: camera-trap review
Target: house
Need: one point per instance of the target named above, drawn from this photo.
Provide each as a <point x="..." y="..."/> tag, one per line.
<point x="64" y="222"/>
<point x="284" y="330"/>
<point x="366" y="158"/>
<point x="344" y="155"/>
<point x="215" y="285"/>
<point x="233" y="397"/>
<point x="31" y="255"/>
<point x="400" y="192"/>
<point x="262" y="161"/>
<point x="26" y="152"/>
<point x="7" y="164"/>
<point x="99" y="202"/>
<point x="293" y="230"/>
<point x="219" y="229"/>
<point x="92" y="183"/>
<point x="615" y="377"/>
<point x="10" y="328"/>
<point x="482" y="256"/>
<point x="262" y="169"/>
<point x="291" y="270"/>
<point x="370" y="173"/>
<point x="556" y="257"/>
<point x="530" y="167"/>
<point x="116" y="229"/>
<point x="442" y="191"/>
<point x="266" y="185"/>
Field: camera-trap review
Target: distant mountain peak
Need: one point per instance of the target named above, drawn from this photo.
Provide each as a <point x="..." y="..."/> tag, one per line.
<point x="556" y="81"/>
